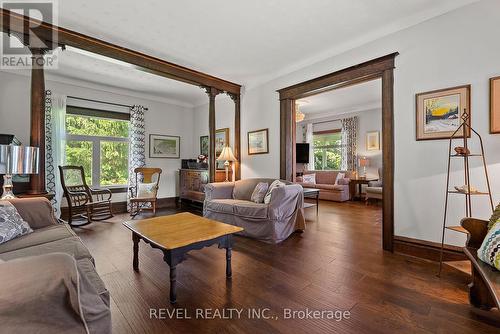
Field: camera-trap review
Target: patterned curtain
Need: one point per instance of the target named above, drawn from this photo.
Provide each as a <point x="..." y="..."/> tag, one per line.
<point x="310" y="141"/>
<point x="137" y="142"/>
<point x="349" y="141"/>
<point x="55" y="136"/>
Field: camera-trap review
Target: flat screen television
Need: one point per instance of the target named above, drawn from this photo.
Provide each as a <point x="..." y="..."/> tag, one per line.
<point x="302" y="153"/>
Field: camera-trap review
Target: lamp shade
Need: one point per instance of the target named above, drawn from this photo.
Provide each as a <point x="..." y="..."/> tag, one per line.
<point x="226" y="154"/>
<point x="364" y="162"/>
<point x="19" y="159"/>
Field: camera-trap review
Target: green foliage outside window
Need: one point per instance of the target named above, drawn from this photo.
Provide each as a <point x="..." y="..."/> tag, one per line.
<point x="327" y="151"/>
<point x="87" y="126"/>
<point x="84" y="132"/>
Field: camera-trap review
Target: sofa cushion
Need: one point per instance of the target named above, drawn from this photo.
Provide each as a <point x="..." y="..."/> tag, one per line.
<point x="259" y="192"/>
<point x="374" y="190"/>
<point x="72" y="246"/>
<point x="250" y="209"/>
<point x="222" y="205"/>
<point x="326" y="177"/>
<point x="331" y="187"/>
<point x="12" y="224"/>
<point x="40" y="236"/>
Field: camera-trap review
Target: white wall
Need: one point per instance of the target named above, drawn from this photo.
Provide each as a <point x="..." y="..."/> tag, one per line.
<point x="458" y="48"/>
<point x="368" y="120"/>
<point x="161" y="118"/>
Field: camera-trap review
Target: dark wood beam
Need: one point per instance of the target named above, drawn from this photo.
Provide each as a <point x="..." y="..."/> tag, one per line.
<point x="16" y="23"/>
<point x="286" y="139"/>
<point x="237" y="135"/>
<point x="388" y="159"/>
<point x="367" y="69"/>
<point x="212" y="159"/>
<point x="37" y="132"/>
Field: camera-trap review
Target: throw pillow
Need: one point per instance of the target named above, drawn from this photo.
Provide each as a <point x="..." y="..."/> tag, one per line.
<point x="146" y="190"/>
<point x="494" y="217"/>
<point x="489" y="252"/>
<point x="343" y="182"/>
<point x="339" y="176"/>
<point x="12" y="224"/>
<point x="274" y="185"/>
<point x="309" y="178"/>
<point x="259" y="192"/>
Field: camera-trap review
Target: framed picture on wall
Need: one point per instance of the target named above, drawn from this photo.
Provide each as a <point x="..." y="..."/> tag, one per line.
<point x="439" y="113"/>
<point x="258" y="142"/>
<point x="204" y="145"/>
<point x="373" y="141"/>
<point x="221" y="141"/>
<point x="161" y="146"/>
<point x="495" y="105"/>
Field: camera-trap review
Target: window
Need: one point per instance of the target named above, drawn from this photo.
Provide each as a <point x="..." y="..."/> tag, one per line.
<point x="327" y="150"/>
<point x="98" y="141"/>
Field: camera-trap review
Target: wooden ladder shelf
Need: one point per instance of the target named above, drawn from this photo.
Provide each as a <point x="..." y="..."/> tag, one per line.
<point x="462" y="133"/>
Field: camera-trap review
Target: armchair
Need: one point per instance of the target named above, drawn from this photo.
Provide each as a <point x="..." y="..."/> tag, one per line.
<point x="375" y="189"/>
<point x="230" y="203"/>
<point x="85" y="204"/>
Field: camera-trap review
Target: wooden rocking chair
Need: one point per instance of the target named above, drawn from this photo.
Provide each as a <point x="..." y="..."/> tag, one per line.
<point x="85" y="204"/>
<point x="139" y="201"/>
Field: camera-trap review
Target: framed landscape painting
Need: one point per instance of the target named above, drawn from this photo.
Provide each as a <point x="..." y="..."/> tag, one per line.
<point x="161" y="146"/>
<point x="373" y="141"/>
<point x="258" y="142"/>
<point x="495" y="105"/>
<point x="439" y="113"/>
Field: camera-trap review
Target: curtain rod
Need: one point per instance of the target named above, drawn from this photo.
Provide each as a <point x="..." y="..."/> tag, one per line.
<point x="110" y="103"/>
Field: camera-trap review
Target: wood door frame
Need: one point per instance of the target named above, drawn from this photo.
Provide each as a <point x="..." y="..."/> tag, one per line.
<point x="379" y="68"/>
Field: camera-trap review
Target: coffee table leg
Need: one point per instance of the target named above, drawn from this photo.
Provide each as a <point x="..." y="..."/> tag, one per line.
<point x="317" y="204"/>
<point x="135" y="262"/>
<point x="229" y="272"/>
<point x="173" y="283"/>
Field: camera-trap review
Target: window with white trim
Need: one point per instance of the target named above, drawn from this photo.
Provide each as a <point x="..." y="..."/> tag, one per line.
<point x="327" y="148"/>
<point x="98" y="140"/>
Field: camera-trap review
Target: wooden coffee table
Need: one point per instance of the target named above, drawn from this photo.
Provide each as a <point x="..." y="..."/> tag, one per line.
<point x="178" y="234"/>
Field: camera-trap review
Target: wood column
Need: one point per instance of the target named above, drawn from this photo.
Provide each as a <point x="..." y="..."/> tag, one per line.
<point x="388" y="158"/>
<point x="212" y="159"/>
<point x="37" y="136"/>
<point x="286" y="139"/>
<point x="237" y="135"/>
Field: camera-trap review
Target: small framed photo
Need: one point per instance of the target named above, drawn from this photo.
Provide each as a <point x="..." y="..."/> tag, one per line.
<point x="258" y="142"/>
<point x="495" y="105"/>
<point x="161" y="146"/>
<point x="373" y="141"/>
<point x="439" y="113"/>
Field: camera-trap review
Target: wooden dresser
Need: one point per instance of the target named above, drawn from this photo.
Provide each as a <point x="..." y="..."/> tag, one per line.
<point x="193" y="181"/>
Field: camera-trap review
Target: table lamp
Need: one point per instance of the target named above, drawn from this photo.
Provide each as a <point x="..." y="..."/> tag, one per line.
<point x="364" y="162"/>
<point x="226" y="155"/>
<point x="18" y="160"/>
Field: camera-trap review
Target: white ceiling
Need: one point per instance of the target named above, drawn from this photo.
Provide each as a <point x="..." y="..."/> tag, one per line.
<point x="360" y="97"/>
<point x="81" y="65"/>
<point x="243" y="41"/>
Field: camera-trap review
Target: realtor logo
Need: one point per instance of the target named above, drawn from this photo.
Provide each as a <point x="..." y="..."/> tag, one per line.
<point x="24" y="43"/>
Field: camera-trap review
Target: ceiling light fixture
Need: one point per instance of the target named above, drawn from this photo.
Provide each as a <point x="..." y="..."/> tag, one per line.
<point x="299" y="116"/>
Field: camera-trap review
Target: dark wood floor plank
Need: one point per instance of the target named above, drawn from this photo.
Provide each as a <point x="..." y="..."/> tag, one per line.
<point x="337" y="264"/>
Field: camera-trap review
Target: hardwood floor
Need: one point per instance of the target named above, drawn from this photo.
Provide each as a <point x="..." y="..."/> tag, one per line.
<point x="337" y="264"/>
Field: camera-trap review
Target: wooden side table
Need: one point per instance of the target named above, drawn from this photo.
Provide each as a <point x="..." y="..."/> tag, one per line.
<point x="358" y="182"/>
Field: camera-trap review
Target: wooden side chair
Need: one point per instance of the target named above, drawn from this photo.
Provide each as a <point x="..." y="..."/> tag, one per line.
<point x="84" y="203"/>
<point x="143" y="195"/>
